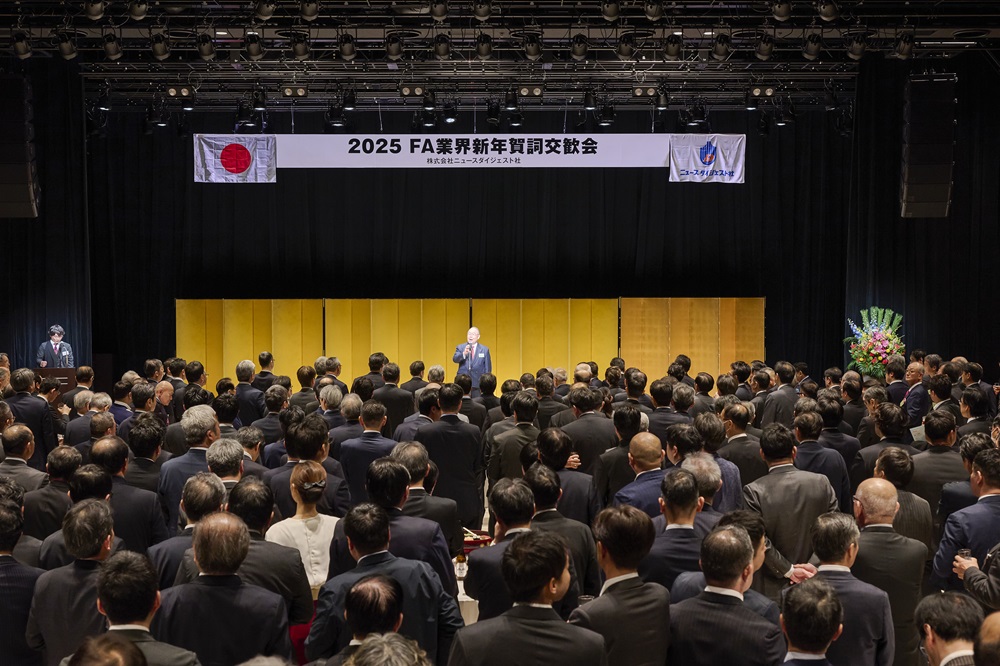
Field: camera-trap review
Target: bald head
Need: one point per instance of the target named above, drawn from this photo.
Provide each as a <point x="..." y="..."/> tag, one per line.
<point x="645" y="451"/>
<point x="878" y="502"/>
<point x="987" y="647"/>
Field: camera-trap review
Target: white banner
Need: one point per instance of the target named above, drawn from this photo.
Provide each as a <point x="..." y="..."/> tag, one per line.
<point x="235" y="158"/>
<point x="707" y="158"/>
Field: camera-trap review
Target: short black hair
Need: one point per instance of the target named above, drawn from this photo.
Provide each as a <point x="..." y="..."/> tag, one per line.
<point x="372" y="413"/>
<point x="85" y="527"/>
<point x="662" y="392"/>
<point x="531" y="560"/>
<point x="146" y="434"/>
<point x="777" y="441"/>
<point x="831" y="411"/>
<point x="110" y="454"/>
<point x="751" y="521"/>
<point x="704" y="382"/>
<point x="89" y="482"/>
<point x="832" y="536"/>
<point x="679" y="489"/>
<point x="627" y="534"/>
<point x="953" y="616"/>
<point x="940" y="385"/>
<point x="416" y="368"/>
<point x="970" y="445"/>
<point x="306" y="438"/>
<point x="450" y="397"/>
<point x="987" y="463"/>
<point x="429" y="400"/>
<point x="252" y="500"/>
<point x="127" y="585"/>
<point x="487" y="383"/>
<point x="367" y="526"/>
<point x="512" y="501"/>
<point x="386" y="481"/>
<point x="741" y="369"/>
<point x="896" y="464"/>
<point x="554" y="448"/>
<point x="812" y="613"/>
<point x="712" y="431"/>
<point x="685" y="438"/>
<point x="11" y="525"/>
<point x="975" y="399"/>
<point x="525" y="406"/>
<point x="373" y="605"/>
<point x="62" y="461"/>
<point x="544" y="484"/>
<point x="725" y="553"/>
<point x="809" y="425"/>
<point x="937" y="425"/>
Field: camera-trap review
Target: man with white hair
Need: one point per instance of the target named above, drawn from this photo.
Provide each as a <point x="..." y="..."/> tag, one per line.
<point x="252" y="406"/>
<point x="473" y="359"/>
<point x="201" y="428"/>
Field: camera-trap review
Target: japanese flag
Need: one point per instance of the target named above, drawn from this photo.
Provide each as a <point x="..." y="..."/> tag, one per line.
<point x="240" y="158"/>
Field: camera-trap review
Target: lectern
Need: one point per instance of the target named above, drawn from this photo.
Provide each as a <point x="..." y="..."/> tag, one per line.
<point x="66" y="377"/>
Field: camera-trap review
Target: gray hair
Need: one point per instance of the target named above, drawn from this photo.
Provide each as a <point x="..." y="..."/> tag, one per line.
<point x="706" y="472"/>
<point x="82" y="400"/>
<point x="224" y="457"/>
<point x="197" y="422"/>
<point x="350" y="406"/>
<point x="130" y="376"/>
<point x="390" y="649"/>
<point x="643" y="422"/>
<point x="560" y="374"/>
<point x="331" y="395"/>
<point x="435" y="374"/>
<point x="333" y="364"/>
<point x="245" y="370"/>
<point x="100" y="401"/>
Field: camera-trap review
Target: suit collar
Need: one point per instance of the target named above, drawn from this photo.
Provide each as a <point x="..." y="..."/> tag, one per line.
<point x="721" y="599"/>
<point x="219" y="581"/>
<point x="418" y="492"/>
<point x="879" y="528"/>
<point x="133" y="633"/>
<point x="376" y="559"/>
<point x="532" y="613"/>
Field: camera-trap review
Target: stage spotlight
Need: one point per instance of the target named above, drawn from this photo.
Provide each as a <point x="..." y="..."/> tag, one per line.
<point x="610" y="10"/>
<point x="493" y="112"/>
<point x="662" y="100"/>
<point x="722" y="46"/>
<point x="442" y="47"/>
<point x="831" y="102"/>
<point x="827" y="10"/>
<point x="411" y="90"/>
<point x="22" y="45"/>
<point x="697" y="115"/>
<point x="765" y="47"/>
<point x="904" y="46"/>
<point x="590" y="101"/>
<point x="112" y="49"/>
<point x="654" y="10"/>
<point x="430" y="101"/>
<point x="781" y="10"/>
<point x="429" y="118"/>
<point x="482" y="9"/>
<point x="335" y="115"/>
<point x="156" y="116"/>
<point x="160" y="46"/>
<point x="258" y="99"/>
<point x="484" y="46"/>
<point x="516" y="119"/>
<point x="439" y="10"/>
<point x="264" y="9"/>
<point x="350" y="100"/>
<point x="510" y="101"/>
<point x="450" y="112"/>
<point x="812" y="46"/>
<point x="751" y="102"/>
<point x="294" y="90"/>
<point x="300" y="46"/>
<point x="67" y="46"/>
<point x="94" y="9"/>
<point x="532" y="47"/>
<point x="673" y="47"/>
<point x="137" y="9"/>
<point x="254" y="47"/>
<point x="579" y="47"/>
<point x="785" y="116"/>
<point x="206" y="47"/>
<point x="626" y="47"/>
<point x="104" y="100"/>
<point x="244" y="115"/>
<point x="607" y="117"/>
<point x="393" y="47"/>
<point x="347" y="50"/>
<point x="309" y="10"/>
<point x="857" y="46"/>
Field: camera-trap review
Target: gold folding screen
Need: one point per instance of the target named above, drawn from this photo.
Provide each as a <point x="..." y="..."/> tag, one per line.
<point x="523" y="335"/>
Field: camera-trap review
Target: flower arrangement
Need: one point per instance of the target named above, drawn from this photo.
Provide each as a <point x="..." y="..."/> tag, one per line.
<point x="874" y="341"/>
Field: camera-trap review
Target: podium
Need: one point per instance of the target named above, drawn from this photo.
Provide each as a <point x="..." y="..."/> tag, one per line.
<point x="66" y="377"/>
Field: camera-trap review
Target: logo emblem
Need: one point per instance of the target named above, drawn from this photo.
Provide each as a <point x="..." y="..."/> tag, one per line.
<point x="707" y="153"/>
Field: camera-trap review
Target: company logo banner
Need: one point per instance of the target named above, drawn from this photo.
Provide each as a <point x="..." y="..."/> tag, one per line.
<point x="707" y="158"/>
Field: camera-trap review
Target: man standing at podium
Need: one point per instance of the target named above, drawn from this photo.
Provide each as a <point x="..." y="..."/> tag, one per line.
<point x="55" y="353"/>
<point x="473" y="359"/>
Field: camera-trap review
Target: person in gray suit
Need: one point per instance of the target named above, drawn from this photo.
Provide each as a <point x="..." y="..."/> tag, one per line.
<point x="890" y="562"/>
<point x="19" y="446"/>
<point x="505" y="461"/>
<point x="948" y="625"/>
<point x="780" y="403"/>
<point x="398" y="402"/>
<point x="789" y="500"/>
<point x="914" y="519"/>
<point x="127" y="596"/>
<point x="630" y="614"/>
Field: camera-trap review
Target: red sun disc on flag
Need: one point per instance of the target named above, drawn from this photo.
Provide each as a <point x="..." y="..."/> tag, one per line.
<point x="235" y="158"/>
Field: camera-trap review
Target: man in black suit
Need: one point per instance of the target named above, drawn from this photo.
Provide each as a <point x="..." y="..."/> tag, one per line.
<point x="428" y="411"/>
<point x="456" y="449"/>
<point x="645" y="457"/>
<point x="55" y="353"/>
<point x="102" y="424"/>
<point x="890" y="427"/>
<point x="252" y="405"/>
<point x="592" y="432"/>
<point x="676" y="547"/>
<point x="914" y="518"/>
<point x="45" y="508"/>
<point x="830" y="437"/>
<point x="265" y="378"/>
<point x="916" y="401"/>
<point x="975" y="411"/>
<point x="84" y="382"/>
<point x="201" y="428"/>
<point x="127" y="596"/>
<point x="890" y="562"/>
<point x="350" y="410"/>
<point x="398" y="402"/>
<point x="579" y="500"/>
<point x="145" y="442"/>
<point x="629" y="614"/>
<point x="727" y="561"/>
<point x="252" y="441"/>
<point x="703" y="401"/>
<point x="536" y="571"/>
<point x="308" y="440"/>
<point x="854" y="406"/>
<point x="868" y="636"/>
<point x="305" y="398"/>
<point x="430" y="613"/>
<point x="663" y="416"/>
<point x="203" y="494"/>
<point x="33" y="412"/>
<point x="420" y="503"/>
<point x="958" y="495"/>
<point x="373" y="607"/>
<point x="548" y="406"/>
<point x="741" y="371"/>
<point x="504" y="459"/>
<point x="740" y="448"/>
<point x="64" y="606"/>
<point x="139" y="519"/>
<point x="948" y="626"/>
<point x="939" y="387"/>
<point x="612" y="471"/>
<point x="487" y="393"/>
<point x="780" y="403"/>
<point x="219" y="603"/>
<point x="143" y="397"/>
<point x="17" y="585"/>
<point x="357" y="454"/>
<point x="470" y="408"/>
<point x="811" y="619"/>
<point x="813" y="457"/>
<point x="939" y="463"/>
<point x="77" y="431"/>
<point x="896" y="383"/>
<point x="375" y="363"/>
<point x="973" y="376"/>
<point x="760" y="385"/>
<point x="19" y="449"/>
<point x="416" y="380"/>
<point x="275" y="400"/>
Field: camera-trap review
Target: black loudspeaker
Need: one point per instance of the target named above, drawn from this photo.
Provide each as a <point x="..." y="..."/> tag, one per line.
<point x="928" y="145"/>
<point x="20" y="192"/>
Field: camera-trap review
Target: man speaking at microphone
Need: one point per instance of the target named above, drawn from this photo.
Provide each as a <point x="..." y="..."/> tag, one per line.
<point x="55" y="353"/>
<point x="473" y="359"/>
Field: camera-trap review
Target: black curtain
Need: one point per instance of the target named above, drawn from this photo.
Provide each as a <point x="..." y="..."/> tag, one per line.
<point x="46" y="262"/>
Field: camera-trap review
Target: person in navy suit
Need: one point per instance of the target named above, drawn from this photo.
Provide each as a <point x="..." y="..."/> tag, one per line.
<point x="17" y="585"/>
<point x="33" y="412"/>
<point x="252" y="405"/>
<point x="358" y="453"/>
<point x="677" y="547"/>
<point x="55" y="353"/>
<point x="813" y="457"/>
<point x="473" y="359"/>
<point x="812" y="618"/>
<point x="645" y="456"/>
<point x="201" y="428"/>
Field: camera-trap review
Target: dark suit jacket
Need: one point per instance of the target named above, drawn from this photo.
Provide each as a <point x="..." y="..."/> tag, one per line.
<point x="976" y="528"/>
<point x="430" y="613"/>
<point x="914" y="519"/>
<point x="484" y="580"/>
<point x="955" y="496"/>
<point x="868" y="636"/>
<point x="407" y="430"/>
<point x="983" y="582"/>
<point x="456" y="449"/>
<point x="932" y="469"/>
<point x="505" y="460"/>
<point x="17" y="586"/>
<point x="304" y="399"/>
<point x="863" y="466"/>
<point x="631" y="616"/>
<point x="917" y="403"/>
<point x="578" y="501"/>
<point x="813" y="457"/>
<point x="173" y="475"/>
<point x="145" y="473"/>
<point x="692" y="583"/>
<point x="167" y="556"/>
<point x="854" y="411"/>
<point x="475" y="412"/>
<point x="974" y="426"/>
<point x="138" y="516"/>
<point x="270" y="426"/>
<point x="527" y="635"/>
<point x="581" y="544"/>
<point x="336" y="499"/>
<point x="342" y="433"/>
<point x="63" y="360"/>
<point x="263" y="380"/>
<point x="744" y="452"/>
<point x="26" y="476"/>
<point x="643" y="493"/>
<point x="271" y="566"/>
<point x="662" y="418"/>
<point x="356" y="455"/>
<point x="562" y="419"/>
<point x="45" y="508"/>
<point x="442" y="511"/>
<point x="894" y="564"/>
<point x="674" y="551"/>
<point x="749" y="638"/>
<point x="592" y="434"/>
<point x="33" y="412"/>
<point x="897" y="391"/>
<point x="612" y="473"/>
<point x="156" y="653"/>
<point x="120" y="413"/>
<point x="547" y="407"/>
<point x="413" y="384"/>
<point x="251" y="403"/>
<point x="779" y="405"/>
<point x="173" y="440"/>
<point x="845" y="445"/>
<point x="866" y="433"/>
<point x="64" y="610"/>
<point x="195" y="615"/>
<point x="398" y="404"/>
<point x="78" y="430"/>
<point x="251" y="468"/>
